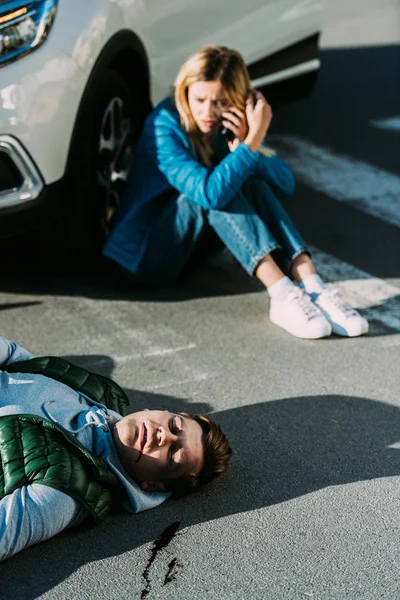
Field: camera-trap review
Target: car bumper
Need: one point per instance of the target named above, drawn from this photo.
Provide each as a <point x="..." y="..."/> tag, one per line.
<point x="20" y="180"/>
<point x="34" y="214"/>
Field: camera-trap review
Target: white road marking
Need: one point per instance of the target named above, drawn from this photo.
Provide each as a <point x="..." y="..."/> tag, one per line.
<point x="137" y="355"/>
<point x="379" y="301"/>
<point x="372" y="190"/>
<point x="391" y="123"/>
<point x="176" y="382"/>
<point x="154" y="352"/>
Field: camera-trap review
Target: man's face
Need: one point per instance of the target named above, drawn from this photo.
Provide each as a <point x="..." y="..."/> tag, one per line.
<point x="156" y="445"/>
<point x="207" y="102"/>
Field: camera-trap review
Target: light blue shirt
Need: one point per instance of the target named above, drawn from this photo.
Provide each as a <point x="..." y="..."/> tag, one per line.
<point x="36" y="512"/>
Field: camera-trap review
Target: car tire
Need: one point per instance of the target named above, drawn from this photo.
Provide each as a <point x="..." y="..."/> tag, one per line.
<point x="107" y="126"/>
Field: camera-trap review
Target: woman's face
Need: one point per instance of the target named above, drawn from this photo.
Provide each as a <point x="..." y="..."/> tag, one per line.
<point x="207" y="102"/>
<point x="157" y="445"/>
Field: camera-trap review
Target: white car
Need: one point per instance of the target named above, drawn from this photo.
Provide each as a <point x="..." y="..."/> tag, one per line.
<point x="77" y="78"/>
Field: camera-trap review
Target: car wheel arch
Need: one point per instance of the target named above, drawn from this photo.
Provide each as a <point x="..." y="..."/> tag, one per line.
<point x="125" y="54"/>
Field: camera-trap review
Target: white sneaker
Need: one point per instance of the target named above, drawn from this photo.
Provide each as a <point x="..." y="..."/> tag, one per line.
<point x="343" y="318"/>
<point x="296" y="314"/>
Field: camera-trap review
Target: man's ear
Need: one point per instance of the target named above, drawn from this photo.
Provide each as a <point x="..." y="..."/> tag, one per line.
<point x="152" y="486"/>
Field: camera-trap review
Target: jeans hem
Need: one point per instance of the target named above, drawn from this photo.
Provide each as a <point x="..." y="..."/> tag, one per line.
<point x="260" y="255"/>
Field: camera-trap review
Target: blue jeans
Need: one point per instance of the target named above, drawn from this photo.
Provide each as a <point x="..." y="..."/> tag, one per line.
<point x="252" y="225"/>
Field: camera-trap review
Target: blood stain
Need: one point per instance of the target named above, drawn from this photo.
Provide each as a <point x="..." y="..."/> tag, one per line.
<point x="158" y="545"/>
<point x="173" y="567"/>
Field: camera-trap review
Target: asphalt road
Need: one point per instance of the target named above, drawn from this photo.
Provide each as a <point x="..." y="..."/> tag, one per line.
<point x="310" y="508"/>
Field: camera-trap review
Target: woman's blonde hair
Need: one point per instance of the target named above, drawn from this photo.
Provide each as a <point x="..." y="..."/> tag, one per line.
<point x="210" y="63"/>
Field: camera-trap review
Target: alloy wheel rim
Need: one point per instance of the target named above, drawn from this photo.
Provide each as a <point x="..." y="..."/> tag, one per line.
<point x="114" y="153"/>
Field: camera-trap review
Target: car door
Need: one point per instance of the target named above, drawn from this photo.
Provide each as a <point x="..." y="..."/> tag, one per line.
<point x="173" y="29"/>
<point x="176" y="28"/>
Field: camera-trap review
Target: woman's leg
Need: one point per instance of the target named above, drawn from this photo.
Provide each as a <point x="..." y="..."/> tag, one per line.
<point x="172" y="240"/>
<point x="294" y="259"/>
<point x="268" y="271"/>
<point x="302" y="267"/>
<point x="258" y="243"/>
<point x="293" y="251"/>
<point x="343" y="319"/>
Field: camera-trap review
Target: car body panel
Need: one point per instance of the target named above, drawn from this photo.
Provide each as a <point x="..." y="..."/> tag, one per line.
<point x="39" y="97"/>
<point x="243" y="26"/>
<point x="41" y="93"/>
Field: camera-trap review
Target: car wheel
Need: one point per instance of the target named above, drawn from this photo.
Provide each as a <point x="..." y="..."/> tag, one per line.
<point x="106" y="129"/>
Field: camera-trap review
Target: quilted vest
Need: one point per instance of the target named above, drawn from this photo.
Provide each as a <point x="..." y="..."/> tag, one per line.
<point x="98" y="388"/>
<point x="35" y="450"/>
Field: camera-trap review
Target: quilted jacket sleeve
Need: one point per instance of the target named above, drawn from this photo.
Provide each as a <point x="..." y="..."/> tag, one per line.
<point x="33" y="514"/>
<point x="210" y="188"/>
<point x="11" y="352"/>
<point x="275" y="171"/>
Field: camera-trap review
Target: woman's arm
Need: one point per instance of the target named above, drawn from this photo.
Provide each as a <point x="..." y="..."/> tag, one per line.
<point x="211" y="188"/>
<point x="11" y="352"/>
<point x="251" y="127"/>
<point x="275" y="172"/>
<point x="32" y="514"/>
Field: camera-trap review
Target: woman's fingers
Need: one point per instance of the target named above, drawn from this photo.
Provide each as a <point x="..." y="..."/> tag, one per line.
<point x="231" y="126"/>
<point x="259" y="114"/>
<point x="259" y="95"/>
<point x="235" y="120"/>
<point x="231" y="116"/>
<point x="256" y="97"/>
<point x="240" y="114"/>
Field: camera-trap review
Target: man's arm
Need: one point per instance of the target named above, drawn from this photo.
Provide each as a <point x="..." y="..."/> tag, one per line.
<point x="11" y="352"/>
<point x="33" y="514"/>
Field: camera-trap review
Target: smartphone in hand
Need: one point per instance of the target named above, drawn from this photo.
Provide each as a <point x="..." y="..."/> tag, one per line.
<point x="227" y="133"/>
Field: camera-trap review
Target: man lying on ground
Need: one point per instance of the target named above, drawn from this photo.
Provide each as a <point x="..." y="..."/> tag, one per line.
<point x="67" y="456"/>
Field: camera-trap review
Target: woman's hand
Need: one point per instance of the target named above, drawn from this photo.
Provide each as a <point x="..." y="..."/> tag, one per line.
<point x="259" y="117"/>
<point x="235" y="120"/>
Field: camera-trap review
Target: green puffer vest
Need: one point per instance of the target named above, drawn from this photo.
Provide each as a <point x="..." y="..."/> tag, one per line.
<point x="98" y="388"/>
<point x="35" y="450"/>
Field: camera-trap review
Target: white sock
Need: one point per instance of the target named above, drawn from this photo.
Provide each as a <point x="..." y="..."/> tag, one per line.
<point x="313" y="284"/>
<point x="280" y="287"/>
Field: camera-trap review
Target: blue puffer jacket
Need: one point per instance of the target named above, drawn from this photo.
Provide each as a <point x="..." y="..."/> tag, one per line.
<point x="163" y="160"/>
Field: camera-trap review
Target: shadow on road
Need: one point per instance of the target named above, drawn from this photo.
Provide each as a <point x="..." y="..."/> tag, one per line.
<point x="283" y="449"/>
<point x="355" y="85"/>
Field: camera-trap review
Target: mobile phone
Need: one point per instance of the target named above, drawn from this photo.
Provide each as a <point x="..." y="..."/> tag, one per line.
<point x="227" y="133"/>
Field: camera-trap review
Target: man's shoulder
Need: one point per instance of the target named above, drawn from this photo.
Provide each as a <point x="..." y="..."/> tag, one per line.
<point x="98" y="388"/>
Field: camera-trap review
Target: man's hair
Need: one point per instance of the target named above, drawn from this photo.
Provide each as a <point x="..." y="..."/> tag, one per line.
<point x="217" y="453"/>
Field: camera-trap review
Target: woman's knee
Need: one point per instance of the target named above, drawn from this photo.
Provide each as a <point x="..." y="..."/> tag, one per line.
<point x="256" y="186"/>
<point x="256" y="180"/>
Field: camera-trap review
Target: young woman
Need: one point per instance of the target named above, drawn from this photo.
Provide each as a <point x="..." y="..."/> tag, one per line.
<point x="189" y="176"/>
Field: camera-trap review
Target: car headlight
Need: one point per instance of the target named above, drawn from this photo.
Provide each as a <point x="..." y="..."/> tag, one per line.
<point x="24" y="26"/>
